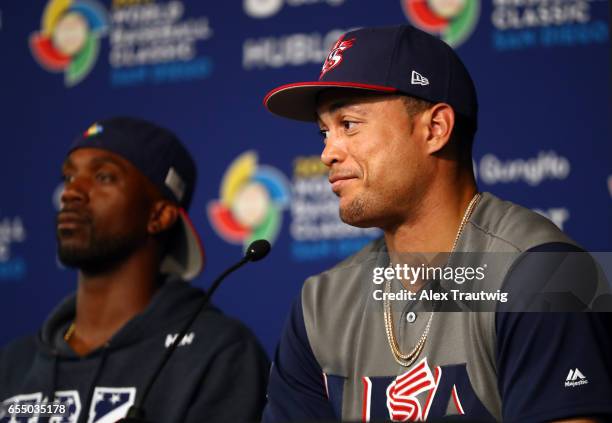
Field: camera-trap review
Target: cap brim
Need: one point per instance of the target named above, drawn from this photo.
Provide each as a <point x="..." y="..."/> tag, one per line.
<point x="185" y="257"/>
<point x="298" y="101"/>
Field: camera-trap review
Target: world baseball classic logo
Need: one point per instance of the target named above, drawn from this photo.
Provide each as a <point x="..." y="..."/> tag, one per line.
<point x="451" y="20"/>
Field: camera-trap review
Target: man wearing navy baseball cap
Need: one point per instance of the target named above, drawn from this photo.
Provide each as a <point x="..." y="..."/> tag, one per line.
<point x="123" y="225"/>
<point x="397" y="110"/>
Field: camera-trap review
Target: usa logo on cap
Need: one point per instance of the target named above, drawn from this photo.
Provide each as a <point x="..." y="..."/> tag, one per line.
<point x="335" y="54"/>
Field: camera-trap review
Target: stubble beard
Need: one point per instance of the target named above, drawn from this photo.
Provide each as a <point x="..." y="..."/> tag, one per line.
<point x="101" y="252"/>
<point x="355" y="213"/>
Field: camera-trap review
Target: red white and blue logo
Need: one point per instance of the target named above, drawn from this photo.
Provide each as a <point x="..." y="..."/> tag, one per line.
<point x="334" y="58"/>
<point x="422" y="392"/>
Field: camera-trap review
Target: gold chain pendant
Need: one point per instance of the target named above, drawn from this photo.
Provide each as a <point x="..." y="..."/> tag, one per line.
<point x="406" y="360"/>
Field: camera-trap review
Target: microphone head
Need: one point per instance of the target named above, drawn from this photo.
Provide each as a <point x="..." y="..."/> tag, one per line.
<point x="257" y="250"/>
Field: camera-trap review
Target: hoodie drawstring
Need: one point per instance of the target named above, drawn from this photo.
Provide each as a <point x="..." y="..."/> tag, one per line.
<point x="49" y="393"/>
<point x="86" y="405"/>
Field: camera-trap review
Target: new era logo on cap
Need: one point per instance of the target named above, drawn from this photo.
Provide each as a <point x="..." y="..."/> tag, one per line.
<point x="418" y="79"/>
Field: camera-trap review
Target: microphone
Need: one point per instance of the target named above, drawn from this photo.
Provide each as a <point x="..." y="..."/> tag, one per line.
<point x="256" y="251"/>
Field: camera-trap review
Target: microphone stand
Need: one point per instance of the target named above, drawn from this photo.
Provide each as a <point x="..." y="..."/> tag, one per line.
<point x="256" y="251"/>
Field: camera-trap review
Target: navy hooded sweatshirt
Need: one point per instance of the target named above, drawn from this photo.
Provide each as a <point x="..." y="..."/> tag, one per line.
<point x="217" y="374"/>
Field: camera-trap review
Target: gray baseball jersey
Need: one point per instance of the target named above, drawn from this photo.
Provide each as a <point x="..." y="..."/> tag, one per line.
<point x="334" y="360"/>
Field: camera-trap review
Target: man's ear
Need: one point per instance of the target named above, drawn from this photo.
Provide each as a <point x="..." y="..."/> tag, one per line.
<point x="163" y="215"/>
<point x="440" y="121"/>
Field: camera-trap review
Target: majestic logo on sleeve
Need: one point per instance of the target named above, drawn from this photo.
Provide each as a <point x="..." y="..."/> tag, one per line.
<point x="575" y="378"/>
<point x="335" y="55"/>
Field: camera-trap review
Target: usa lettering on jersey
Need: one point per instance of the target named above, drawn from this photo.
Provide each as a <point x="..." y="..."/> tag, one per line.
<point x="422" y="392"/>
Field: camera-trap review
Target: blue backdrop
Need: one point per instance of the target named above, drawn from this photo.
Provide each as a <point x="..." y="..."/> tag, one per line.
<point x="542" y="70"/>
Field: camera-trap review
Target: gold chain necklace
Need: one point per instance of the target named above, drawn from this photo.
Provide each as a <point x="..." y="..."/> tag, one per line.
<point x="69" y="332"/>
<point x="407" y="359"/>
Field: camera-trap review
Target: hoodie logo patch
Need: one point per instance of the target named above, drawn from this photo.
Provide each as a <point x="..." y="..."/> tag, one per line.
<point x="27" y="399"/>
<point x="73" y="406"/>
<point x="65" y="408"/>
<point x="187" y="339"/>
<point x="110" y="404"/>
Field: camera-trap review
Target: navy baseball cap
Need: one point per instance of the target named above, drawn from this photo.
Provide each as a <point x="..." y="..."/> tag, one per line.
<point x="159" y="155"/>
<point x="396" y="60"/>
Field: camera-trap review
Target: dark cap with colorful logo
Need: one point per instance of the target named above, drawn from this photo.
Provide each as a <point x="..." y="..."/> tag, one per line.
<point x="396" y="59"/>
<point x="159" y="155"/>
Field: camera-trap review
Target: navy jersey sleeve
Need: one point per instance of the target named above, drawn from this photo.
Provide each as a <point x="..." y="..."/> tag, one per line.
<point x="296" y="390"/>
<point x="557" y="364"/>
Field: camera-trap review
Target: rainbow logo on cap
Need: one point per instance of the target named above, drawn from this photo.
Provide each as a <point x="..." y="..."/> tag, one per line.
<point x="252" y="198"/>
<point x="69" y="39"/>
<point x="94" y="129"/>
<point x="451" y="20"/>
